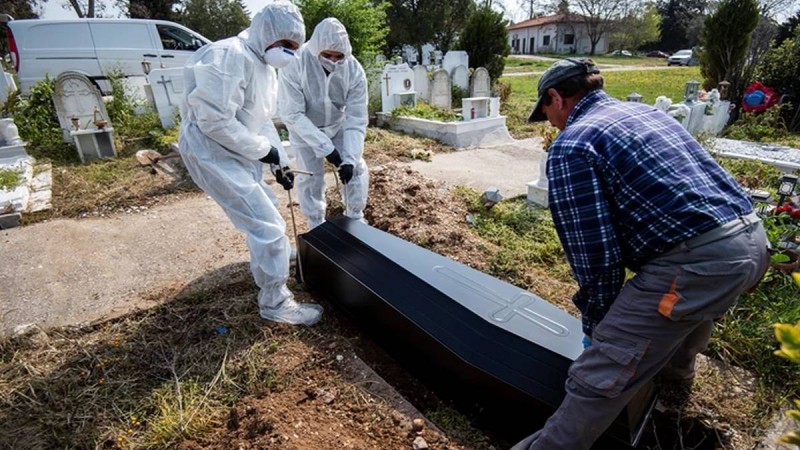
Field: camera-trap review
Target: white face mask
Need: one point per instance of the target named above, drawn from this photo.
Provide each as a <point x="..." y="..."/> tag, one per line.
<point x="330" y="65"/>
<point x="279" y="57"/>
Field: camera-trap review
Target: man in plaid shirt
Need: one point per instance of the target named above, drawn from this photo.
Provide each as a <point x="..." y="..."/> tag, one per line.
<point x="630" y="188"/>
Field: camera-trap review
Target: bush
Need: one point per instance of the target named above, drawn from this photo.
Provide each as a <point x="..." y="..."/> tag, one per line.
<point x="780" y="69"/>
<point x="425" y="111"/>
<point x="456" y="94"/>
<point x="37" y="121"/>
<point x="365" y="21"/>
<point x="726" y="38"/>
<point x="765" y="127"/>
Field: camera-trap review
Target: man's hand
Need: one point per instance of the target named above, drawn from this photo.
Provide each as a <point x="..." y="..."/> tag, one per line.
<point x="346" y="173"/>
<point x="272" y="157"/>
<point x="285" y="178"/>
<point x="334" y="158"/>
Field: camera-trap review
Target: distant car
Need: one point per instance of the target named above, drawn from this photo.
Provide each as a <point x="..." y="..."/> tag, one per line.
<point x="620" y="53"/>
<point x="680" y="58"/>
<point x="657" y="54"/>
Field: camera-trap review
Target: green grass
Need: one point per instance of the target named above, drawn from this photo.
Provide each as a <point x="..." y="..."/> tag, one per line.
<point x="517" y="64"/>
<point x="604" y="60"/>
<point x="525" y="236"/>
<point x="649" y="83"/>
<point x="9" y="179"/>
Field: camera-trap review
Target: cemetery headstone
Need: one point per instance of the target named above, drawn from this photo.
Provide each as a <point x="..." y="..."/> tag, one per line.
<point x="167" y="86"/>
<point x="76" y="99"/>
<point x="461" y="77"/>
<point x="422" y="83"/>
<point x="480" y="85"/>
<point x="441" y="92"/>
<point x="7" y="85"/>
<point x="437" y="58"/>
<point x="453" y="59"/>
<point x="397" y="87"/>
<point x="426" y="58"/>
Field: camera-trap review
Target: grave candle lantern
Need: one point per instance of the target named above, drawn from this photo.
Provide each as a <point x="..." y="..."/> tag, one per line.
<point x="692" y="88"/>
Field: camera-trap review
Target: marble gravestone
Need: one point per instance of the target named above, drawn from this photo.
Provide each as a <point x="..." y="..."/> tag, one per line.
<point x="7" y="86"/>
<point x="480" y="84"/>
<point x="76" y="98"/>
<point x="422" y="84"/>
<point x="441" y="92"/>
<point x="397" y="87"/>
<point x="167" y="86"/>
<point x="461" y="77"/>
<point x="455" y="58"/>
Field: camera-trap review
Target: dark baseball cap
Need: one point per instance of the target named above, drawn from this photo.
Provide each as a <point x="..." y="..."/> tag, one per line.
<point x="560" y="71"/>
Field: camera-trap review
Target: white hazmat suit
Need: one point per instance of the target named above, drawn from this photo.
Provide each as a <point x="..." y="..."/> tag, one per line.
<point x="326" y="110"/>
<point x="226" y="128"/>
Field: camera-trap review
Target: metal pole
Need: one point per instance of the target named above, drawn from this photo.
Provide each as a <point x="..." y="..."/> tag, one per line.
<point x="296" y="243"/>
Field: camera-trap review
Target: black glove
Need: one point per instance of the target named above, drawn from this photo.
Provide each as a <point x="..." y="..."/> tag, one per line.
<point x="346" y="173"/>
<point x="285" y="178"/>
<point x="334" y="158"/>
<point x="272" y="157"/>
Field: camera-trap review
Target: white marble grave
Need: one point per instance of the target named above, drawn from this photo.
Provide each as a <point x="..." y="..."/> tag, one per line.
<point x="167" y="86"/>
<point x="537" y="189"/>
<point x="441" y="92"/>
<point x="453" y="59"/>
<point x="397" y="87"/>
<point x="76" y="99"/>
<point x="422" y="84"/>
<point x="461" y="77"/>
<point x="481" y="83"/>
<point x="437" y="58"/>
<point x="474" y="108"/>
<point x="7" y="86"/>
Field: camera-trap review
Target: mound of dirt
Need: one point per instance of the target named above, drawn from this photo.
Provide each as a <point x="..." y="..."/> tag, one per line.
<point x="420" y="210"/>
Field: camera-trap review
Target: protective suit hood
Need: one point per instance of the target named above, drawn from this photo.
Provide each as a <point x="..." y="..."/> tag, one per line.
<point x="277" y="21"/>
<point x="329" y="34"/>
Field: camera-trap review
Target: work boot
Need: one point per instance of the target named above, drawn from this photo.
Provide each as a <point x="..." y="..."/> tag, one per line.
<point x="291" y="312"/>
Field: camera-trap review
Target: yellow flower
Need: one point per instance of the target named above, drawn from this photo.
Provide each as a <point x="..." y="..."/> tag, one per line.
<point x="796" y="276"/>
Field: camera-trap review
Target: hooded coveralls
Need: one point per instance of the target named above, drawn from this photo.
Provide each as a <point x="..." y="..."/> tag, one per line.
<point x="226" y="127"/>
<point x="326" y="111"/>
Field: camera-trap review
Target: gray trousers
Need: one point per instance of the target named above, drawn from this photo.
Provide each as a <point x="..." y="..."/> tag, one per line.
<point x="661" y="320"/>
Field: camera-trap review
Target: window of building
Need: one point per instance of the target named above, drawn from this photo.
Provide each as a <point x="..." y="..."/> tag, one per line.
<point x="546" y="40"/>
<point x="569" y="39"/>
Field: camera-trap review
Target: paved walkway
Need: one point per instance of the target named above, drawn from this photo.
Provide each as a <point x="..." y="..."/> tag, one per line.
<point x="72" y="271"/>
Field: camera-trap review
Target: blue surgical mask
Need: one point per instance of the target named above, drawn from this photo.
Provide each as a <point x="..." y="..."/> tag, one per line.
<point x="279" y="57"/>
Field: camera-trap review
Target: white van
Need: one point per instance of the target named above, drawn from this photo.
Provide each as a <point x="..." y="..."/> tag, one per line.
<point x="96" y="47"/>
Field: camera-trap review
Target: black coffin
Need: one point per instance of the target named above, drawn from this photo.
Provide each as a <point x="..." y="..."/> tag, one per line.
<point x="471" y="337"/>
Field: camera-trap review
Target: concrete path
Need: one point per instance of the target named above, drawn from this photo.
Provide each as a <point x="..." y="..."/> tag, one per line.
<point x="74" y="271"/>
<point x="509" y="167"/>
<point x="602" y="69"/>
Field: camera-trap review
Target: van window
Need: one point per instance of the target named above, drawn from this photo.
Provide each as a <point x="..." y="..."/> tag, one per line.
<point x="121" y="35"/>
<point x="58" y="35"/>
<point x="174" y="38"/>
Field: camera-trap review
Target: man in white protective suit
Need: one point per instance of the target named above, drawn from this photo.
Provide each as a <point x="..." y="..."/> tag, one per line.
<point x="323" y="102"/>
<point x="227" y="136"/>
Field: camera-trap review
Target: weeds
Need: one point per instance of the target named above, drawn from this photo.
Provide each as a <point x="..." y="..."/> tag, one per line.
<point x="425" y="111"/>
<point x="10" y="179"/>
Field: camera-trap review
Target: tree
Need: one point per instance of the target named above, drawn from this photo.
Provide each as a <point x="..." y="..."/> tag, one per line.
<point x="726" y="38"/>
<point x="453" y="16"/>
<point x="411" y="22"/>
<point x="365" y="21"/>
<point x="214" y="19"/>
<point x="485" y="38"/>
<point x="17" y="9"/>
<point x="148" y="9"/>
<point x="786" y="29"/>
<point x="681" y="22"/>
<point x="638" y="28"/>
<point x="600" y="17"/>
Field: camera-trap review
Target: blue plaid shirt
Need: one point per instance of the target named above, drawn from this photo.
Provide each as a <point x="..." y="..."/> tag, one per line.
<point x="627" y="182"/>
